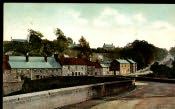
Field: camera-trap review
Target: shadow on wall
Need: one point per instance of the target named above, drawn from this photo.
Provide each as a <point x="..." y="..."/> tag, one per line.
<point x="61" y="82"/>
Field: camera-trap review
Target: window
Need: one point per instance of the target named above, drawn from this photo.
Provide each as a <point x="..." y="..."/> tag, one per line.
<point x="72" y="73"/>
<point x="95" y="73"/>
<point x="37" y="76"/>
<point x="75" y="73"/>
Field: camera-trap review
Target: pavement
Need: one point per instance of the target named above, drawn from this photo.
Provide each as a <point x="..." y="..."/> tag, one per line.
<point x="147" y="95"/>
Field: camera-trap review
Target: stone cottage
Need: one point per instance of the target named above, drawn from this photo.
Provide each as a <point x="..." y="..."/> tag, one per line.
<point x="105" y="68"/>
<point x="98" y="68"/>
<point x="33" y="67"/>
<point x="73" y="66"/>
<point x="133" y="65"/>
<point x="120" y="67"/>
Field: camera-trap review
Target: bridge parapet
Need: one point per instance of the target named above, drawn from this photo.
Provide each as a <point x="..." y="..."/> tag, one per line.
<point x="65" y="96"/>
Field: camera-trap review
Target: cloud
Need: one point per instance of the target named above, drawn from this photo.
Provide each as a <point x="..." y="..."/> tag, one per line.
<point x="111" y="17"/>
<point x="139" y="18"/>
<point x="75" y="16"/>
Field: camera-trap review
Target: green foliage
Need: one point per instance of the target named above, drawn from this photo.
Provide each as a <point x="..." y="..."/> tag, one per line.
<point x="70" y="41"/>
<point x="160" y="54"/>
<point x="172" y="51"/>
<point x="35" y="42"/>
<point x="85" y="50"/>
<point x="47" y="48"/>
<point x="140" y="51"/>
<point x="7" y="46"/>
<point x="61" y="43"/>
<point x="162" y="70"/>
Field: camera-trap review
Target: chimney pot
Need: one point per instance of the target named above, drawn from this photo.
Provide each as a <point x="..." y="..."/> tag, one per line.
<point x="45" y="58"/>
<point x="27" y="58"/>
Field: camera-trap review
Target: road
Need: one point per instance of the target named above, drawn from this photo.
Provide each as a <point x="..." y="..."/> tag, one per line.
<point x="167" y="60"/>
<point x="147" y="95"/>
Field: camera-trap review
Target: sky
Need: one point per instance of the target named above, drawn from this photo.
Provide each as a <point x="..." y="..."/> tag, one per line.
<point x="119" y="24"/>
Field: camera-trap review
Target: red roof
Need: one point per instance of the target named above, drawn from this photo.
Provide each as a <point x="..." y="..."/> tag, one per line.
<point x="72" y="61"/>
<point x="88" y="62"/>
<point x="79" y="61"/>
<point x="97" y="65"/>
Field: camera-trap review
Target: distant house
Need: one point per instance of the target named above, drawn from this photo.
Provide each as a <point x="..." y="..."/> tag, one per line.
<point x="98" y="68"/>
<point x="33" y="67"/>
<point x="133" y="65"/>
<point x="105" y="68"/>
<point x="90" y="67"/>
<point x="73" y="66"/>
<point x="73" y="45"/>
<point x="19" y="40"/>
<point x="108" y="46"/>
<point x="120" y="67"/>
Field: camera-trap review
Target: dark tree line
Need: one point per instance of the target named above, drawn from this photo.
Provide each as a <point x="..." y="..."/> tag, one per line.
<point x="172" y="51"/>
<point x="36" y="46"/>
<point x="162" y="71"/>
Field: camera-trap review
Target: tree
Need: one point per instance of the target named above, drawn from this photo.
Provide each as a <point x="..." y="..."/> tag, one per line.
<point x="7" y="46"/>
<point x="172" y="51"/>
<point x="35" y="42"/>
<point x="61" y="43"/>
<point x="85" y="50"/>
<point x="70" y="41"/>
<point x="47" y="48"/>
<point x="160" y="54"/>
<point x="141" y="51"/>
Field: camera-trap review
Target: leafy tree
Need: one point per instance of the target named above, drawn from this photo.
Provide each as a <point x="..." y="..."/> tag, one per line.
<point x="172" y="51"/>
<point x="7" y="46"/>
<point x="61" y="43"/>
<point x="162" y="71"/>
<point x="70" y="41"/>
<point x="140" y="51"/>
<point x="46" y="48"/>
<point x="35" y="42"/>
<point x="84" y="48"/>
<point x="160" y="54"/>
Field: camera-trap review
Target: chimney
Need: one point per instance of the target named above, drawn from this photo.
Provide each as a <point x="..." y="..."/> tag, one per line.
<point x="45" y="58"/>
<point x="6" y="58"/>
<point x="27" y="57"/>
<point x="56" y="56"/>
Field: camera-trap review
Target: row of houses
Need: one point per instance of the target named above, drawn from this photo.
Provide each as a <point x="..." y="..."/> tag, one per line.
<point x="15" y="67"/>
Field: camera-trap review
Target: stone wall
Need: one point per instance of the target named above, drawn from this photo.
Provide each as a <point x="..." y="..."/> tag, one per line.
<point x="12" y="78"/>
<point x="13" y="86"/>
<point x="74" y="70"/>
<point x="65" y="96"/>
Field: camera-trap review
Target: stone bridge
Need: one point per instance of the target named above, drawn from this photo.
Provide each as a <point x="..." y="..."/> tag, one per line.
<point x="147" y="95"/>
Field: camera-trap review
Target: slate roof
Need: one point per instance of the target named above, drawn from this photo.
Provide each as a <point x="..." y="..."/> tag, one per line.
<point x="131" y="61"/>
<point x="105" y="63"/>
<point x="34" y="62"/>
<point x="122" y="61"/>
